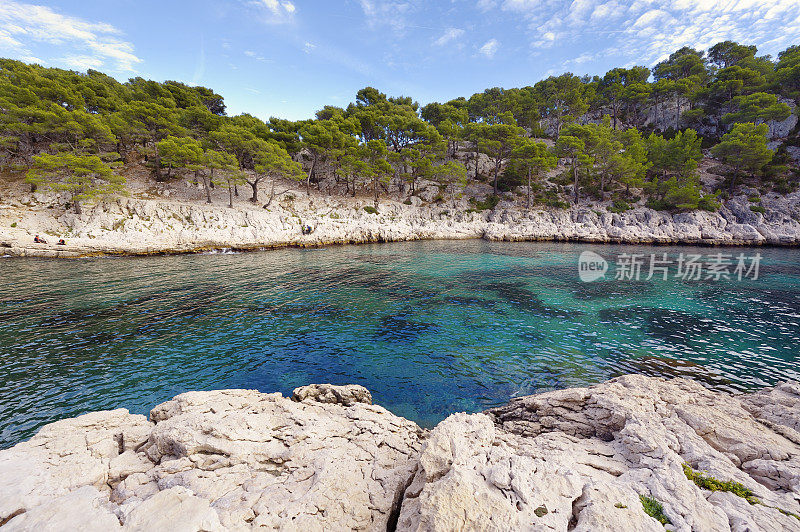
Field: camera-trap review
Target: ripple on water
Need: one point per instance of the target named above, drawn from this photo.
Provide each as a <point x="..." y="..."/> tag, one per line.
<point x="430" y="327"/>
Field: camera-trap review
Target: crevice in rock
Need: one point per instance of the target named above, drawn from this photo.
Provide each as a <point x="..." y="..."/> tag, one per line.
<point x="397" y="504"/>
<point x="576" y="510"/>
<point x="12" y="515"/>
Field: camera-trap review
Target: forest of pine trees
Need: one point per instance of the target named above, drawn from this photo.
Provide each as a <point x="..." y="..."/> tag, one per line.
<point x="634" y="134"/>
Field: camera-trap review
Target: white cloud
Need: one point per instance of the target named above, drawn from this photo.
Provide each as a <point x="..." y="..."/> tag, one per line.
<point x="90" y="44"/>
<point x="648" y="30"/>
<point x="82" y="62"/>
<point x="450" y="34"/>
<point x="490" y="48"/>
<point x="309" y="47"/>
<point x="390" y="13"/>
<point x="256" y="56"/>
<point x="275" y="12"/>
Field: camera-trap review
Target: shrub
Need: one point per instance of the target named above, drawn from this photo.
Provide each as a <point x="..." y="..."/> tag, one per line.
<point x="654" y="509"/>
<point x="619" y="206"/>
<point x="487" y="204"/>
<point x="370" y="209"/>
<point x="712" y="484"/>
<point x="758" y="208"/>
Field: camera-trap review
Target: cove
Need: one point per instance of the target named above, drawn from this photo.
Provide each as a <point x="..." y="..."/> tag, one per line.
<point x="431" y="327"/>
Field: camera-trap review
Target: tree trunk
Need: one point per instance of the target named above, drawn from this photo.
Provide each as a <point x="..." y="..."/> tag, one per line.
<point x="254" y="184"/>
<point x="528" y="200"/>
<point x="375" y="190"/>
<point x="575" y="176"/>
<point x="310" y="173"/>
<point x="602" y="186"/>
<point x="206" y="184"/>
<point x="477" y="153"/>
<point x="496" y="173"/>
<point x="157" y="165"/>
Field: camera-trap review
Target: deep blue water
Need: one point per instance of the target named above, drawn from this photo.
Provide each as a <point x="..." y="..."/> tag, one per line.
<point x="430" y="328"/>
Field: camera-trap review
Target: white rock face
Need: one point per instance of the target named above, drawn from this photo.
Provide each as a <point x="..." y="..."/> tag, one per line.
<point x="226" y="460"/>
<point x="135" y="226"/>
<point x="575" y="459"/>
<point x="582" y="457"/>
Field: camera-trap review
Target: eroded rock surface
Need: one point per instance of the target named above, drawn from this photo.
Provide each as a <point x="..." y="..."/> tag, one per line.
<point x="139" y="226"/>
<point x="327" y="459"/>
<point x="224" y="460"/>
<point x="579" y="459"/>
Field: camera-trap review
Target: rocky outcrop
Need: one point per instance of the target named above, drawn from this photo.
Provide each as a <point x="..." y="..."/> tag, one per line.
<point x="580" y="459"/>
<point x="225" y="460"/>
<point x="137" y="226"/>
<point x="575" y="459"/>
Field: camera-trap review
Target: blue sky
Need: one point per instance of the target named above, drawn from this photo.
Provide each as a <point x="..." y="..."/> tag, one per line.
<point x="289" y="58"/>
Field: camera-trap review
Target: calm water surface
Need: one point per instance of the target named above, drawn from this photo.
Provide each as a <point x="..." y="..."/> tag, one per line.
<point x="430" y="328"/>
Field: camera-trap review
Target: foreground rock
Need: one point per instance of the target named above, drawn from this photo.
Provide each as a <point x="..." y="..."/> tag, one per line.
<point x="580" y="459"/>
<point x="231" y="459"/>
<point x="576" y="459"/>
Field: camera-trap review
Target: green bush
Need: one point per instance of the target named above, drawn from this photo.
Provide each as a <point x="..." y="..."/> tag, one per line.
<point x="654" y="509"/>
<point x="370" y="209"/>
<point x="712" y="484"/>
<point x="407" y="202"/>
<point x="483" y="205"/>
<point x="619" y="206"/>
<point x="13" y="224"/>
<point x="758" y="208"/>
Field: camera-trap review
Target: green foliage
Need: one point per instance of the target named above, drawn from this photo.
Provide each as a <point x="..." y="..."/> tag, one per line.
<point x="758" y="107"/>
<point x="758" y="208"/>
<point x="619" y="206"/>
<point x="654" y="509"/>
<point x="379" y="142"/>
<point x="744" y="149"/>
<point x="83" y="177"/>
<point x="370" y="209"/>
<point x="487" y="204"/>
<point x="709" y="483"/>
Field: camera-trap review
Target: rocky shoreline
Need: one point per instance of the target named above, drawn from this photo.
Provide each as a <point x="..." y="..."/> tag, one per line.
<point x="158" y="226"/>
<point x="628" y="454"/>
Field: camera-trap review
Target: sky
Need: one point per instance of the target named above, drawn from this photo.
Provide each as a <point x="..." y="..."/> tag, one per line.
<point x="289" y="58"/>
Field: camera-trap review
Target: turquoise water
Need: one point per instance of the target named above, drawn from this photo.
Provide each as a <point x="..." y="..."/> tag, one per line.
<point x="430" y="328"/>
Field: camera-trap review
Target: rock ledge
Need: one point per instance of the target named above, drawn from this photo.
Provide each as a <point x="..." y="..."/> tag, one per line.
<point x="327" y="459"/>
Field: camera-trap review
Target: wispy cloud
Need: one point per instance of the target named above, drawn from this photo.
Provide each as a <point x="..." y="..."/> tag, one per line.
<point x="489" y="48"/>
<point x="449" y="35"/>
<point x="87" y="44"/>
<point x="255" y="55"/>
<point x="651" y="29"/>
<point x="275" y="11"/>
<point x="394" y="14"/>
